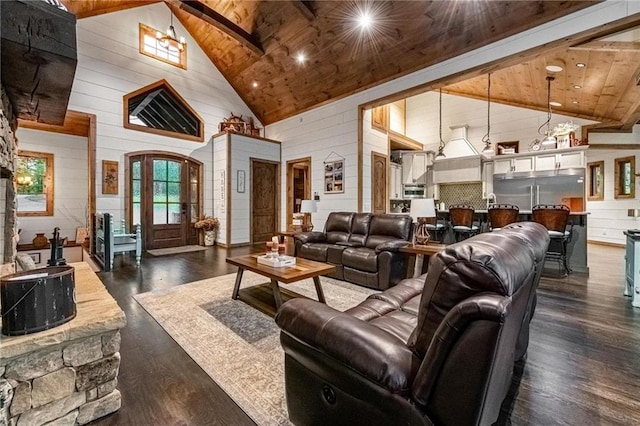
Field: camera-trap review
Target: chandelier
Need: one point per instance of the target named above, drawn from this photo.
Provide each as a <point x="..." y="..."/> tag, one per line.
<point x="169" y="40"/>
<point x="24" y="180"/>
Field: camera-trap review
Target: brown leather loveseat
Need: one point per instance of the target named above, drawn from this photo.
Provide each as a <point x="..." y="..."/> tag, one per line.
<point x="439" y="349"/>
<point x="362" y="246"/>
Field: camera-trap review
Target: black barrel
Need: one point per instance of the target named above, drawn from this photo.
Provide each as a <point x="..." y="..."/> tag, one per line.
<point x="37" y="300"/>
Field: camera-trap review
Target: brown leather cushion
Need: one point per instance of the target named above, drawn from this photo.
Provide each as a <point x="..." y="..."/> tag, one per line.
<point x="315" y="251"/>
<point x="362" y="259"/>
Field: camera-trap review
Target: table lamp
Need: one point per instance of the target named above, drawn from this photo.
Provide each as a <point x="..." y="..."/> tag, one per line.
<point x="307" y="207"/>
<point x="421" y="210"/>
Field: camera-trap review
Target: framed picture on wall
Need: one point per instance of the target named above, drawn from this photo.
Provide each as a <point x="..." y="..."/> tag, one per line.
<point x="109" y="177"/>
<point x="241" y="181"/>
<point x="334" y="176"/>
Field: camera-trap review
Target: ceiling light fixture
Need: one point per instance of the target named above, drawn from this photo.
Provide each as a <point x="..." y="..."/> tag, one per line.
<point x="577" y="86"/>
<point x="301" y="58"/>
<point x="169" y="40"/>
<point x="440" y="154"/>
<point x="365" y="20"/>
<point x="549" y="140"/>
<point x="555" y="104"/>
<point x="255" y="84"/>
<point x="553" y="68"/>
<point x="581" y="65"/>
<point x="575" y="102"/>
<point x="488" y="148"/>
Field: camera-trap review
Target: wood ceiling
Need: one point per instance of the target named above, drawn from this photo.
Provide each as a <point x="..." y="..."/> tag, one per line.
<point x="257" y="41"/>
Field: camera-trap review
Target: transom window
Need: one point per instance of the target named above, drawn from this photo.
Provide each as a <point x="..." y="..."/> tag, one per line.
<point x="170" y="53"/>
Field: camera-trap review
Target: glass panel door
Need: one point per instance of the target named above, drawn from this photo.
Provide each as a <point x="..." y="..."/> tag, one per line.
<point x="166" y="192"/>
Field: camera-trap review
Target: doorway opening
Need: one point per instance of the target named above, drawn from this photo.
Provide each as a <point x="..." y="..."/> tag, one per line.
<point x="298" y="186"/>
<point x="164" y="195"/>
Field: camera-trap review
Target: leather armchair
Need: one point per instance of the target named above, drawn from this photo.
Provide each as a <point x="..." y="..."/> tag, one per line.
<point x="438" y="349"/>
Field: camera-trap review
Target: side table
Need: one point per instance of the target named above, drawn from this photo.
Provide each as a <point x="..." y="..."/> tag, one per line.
<point x="420" y="251"/>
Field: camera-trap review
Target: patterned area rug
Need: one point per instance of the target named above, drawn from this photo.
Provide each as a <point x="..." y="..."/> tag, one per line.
<point x="175" y="250"/>
<point x="235" y="344"/>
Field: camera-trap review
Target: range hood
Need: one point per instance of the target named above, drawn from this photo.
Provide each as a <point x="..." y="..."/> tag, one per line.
<point x="459" y="146"/>
<point x="462" y="161"/>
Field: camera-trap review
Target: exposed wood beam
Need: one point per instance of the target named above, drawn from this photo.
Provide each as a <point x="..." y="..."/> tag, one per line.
<point x="85" y="9"/>
<point x="210" y="16"/>
<point x="306" y="7"/>
<point x="75" y="123"/>
<point x="609" y="46"/>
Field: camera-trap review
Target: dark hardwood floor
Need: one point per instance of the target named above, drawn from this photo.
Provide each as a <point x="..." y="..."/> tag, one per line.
<point x="583" y="365"/>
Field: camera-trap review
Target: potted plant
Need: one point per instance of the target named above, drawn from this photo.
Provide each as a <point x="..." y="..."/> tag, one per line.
<point x="209" y="226"/>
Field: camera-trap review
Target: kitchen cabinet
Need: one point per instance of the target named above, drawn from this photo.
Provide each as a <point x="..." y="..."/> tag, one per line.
<point x="395" y="181"/>
<point x="514" y="165"/>
<point x="414" y="168"/>
<point x="380" y="118"/>
<point x="557" y="161"/>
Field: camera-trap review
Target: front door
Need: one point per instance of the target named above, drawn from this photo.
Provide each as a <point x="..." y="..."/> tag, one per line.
<point x="165" y="199"/>
<point x="264" y="191"/>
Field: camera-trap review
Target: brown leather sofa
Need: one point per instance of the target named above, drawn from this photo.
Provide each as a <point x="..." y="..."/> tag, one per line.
<point x="362" y="246"/>
<point x="439" y="349"/>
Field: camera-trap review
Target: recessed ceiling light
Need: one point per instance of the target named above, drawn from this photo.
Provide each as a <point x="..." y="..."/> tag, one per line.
<point x="555" y="104"/>
<point x="300" y="58"/>
<point x="255" y="84"/>
<point x="553" y="68"/>
<point x="365" y="20"/>
<point x="577" y="86"/>
<point x="581" y="65"/>
<point x="575" y="102"/>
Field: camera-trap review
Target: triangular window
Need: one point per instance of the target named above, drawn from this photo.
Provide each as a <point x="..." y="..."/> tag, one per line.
<point x="158" y="108"/>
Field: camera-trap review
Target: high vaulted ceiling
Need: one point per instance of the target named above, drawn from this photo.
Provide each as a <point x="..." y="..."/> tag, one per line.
<point x="258" y="41"/>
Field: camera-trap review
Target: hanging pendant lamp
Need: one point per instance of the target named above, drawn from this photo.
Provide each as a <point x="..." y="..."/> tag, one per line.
<point x="170" y="39"/>
<point x="549" y="141"/>
<point x="440" y="153"/>
<point x="488" y="148"/>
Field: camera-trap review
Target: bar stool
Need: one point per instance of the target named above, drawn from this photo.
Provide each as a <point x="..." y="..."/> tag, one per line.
<point x="435" y="227"/>
<point x="555" y="218"/>
<point x="500" y="215"/>
<point x="461" y="216"/>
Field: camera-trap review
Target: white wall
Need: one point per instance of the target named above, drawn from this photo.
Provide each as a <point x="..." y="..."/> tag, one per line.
<point x="334" y="125"/>
<point x="508" y="123"/>
<point x="608" y="218"/>
<point x="110" y="66"/>
<point x="70" y="183"/>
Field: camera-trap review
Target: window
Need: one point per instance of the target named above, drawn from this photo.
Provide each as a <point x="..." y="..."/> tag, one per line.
<point x="158" y="108"/>
<point x="625" y="174"/>
<point x="34" y="183"/>
<point x="152" y="47"/>
<point x="595" y="184"/>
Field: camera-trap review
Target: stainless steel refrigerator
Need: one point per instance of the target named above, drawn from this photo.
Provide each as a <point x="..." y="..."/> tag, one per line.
<point x="555" y="187"/>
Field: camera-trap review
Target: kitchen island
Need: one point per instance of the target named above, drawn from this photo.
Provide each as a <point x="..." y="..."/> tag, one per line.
<point x="576" y="250"/>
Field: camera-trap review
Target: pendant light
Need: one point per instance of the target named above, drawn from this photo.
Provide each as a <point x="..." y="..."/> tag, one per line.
<point x="440" y="153"/>
<point x="488" y="148"/>
<point x="170" y="39"/>
<point x="549" y="140"/>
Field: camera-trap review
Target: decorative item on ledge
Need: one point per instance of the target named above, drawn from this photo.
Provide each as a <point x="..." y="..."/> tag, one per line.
<point x="209" y="226"/>
<point x="307" y="207"/>
<point x="235" y="123"/>
<point x="40" y="241"/>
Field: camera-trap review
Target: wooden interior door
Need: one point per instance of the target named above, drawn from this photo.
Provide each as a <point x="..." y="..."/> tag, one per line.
<point x="265" y="176"/>
<point x="378" y="183"/>
<point x="165" y="199"/>
<point x="298" y="186"/>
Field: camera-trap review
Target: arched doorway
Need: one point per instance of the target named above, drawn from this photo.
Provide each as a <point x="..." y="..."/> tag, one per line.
<point x="164" y="195"/>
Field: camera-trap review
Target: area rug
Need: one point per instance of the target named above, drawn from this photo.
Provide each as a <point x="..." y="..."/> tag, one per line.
<point x="235" y="344"/>
<point x="175" y="250"/>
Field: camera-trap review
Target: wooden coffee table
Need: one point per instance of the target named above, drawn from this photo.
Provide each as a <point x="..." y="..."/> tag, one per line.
<point x="260" y="296"/>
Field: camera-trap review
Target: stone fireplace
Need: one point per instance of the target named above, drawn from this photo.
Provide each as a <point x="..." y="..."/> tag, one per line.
<point x="8" y="150"/>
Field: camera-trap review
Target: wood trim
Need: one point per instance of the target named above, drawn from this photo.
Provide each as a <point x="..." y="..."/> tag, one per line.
<point x="246" y="135"/>
<point x="631" y="146"/>
<point x="616" y="184"/>
<point x="145" y="29"/>
<point x="75" y="123"/>
<point x="91" y="158"/>
<point x="165" y="84"/>
<point x="290" y="166"/>
<point x="306" y="8"/>
<point x="49" y="182"/>
<point x="604" y="243"/>
<point x="599" y="193"/>
<point x="406" y="142"/>
<point x="81" y="12"/>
